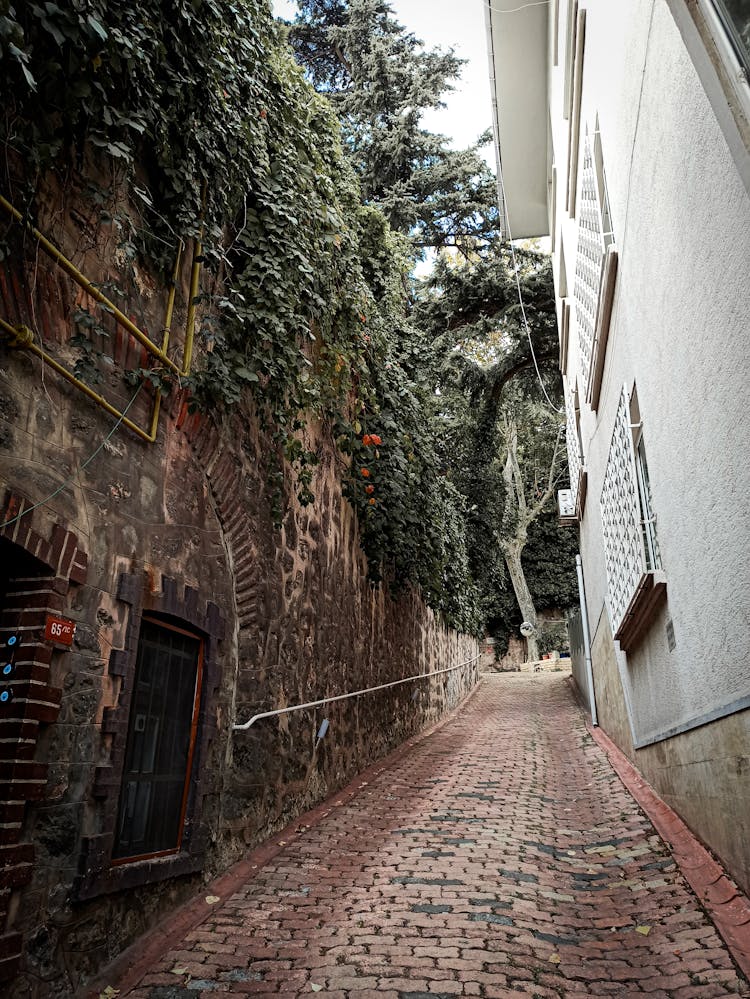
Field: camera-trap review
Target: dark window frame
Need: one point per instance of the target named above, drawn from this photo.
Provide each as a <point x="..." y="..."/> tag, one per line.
<point x="99" y="873"/>
<point x="167" y="625"/>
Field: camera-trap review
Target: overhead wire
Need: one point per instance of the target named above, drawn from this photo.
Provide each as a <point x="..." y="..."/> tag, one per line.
<point x="555" y="408"/>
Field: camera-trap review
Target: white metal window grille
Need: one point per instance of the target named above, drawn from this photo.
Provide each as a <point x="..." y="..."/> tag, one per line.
<point x="623" y="522"/>
<point x="588" y="262"/>
<point x="648" y="517"/>
<point x="573" y="442"/>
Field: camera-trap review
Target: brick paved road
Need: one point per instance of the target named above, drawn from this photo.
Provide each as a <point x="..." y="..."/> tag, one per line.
<point x="502" y="857"/>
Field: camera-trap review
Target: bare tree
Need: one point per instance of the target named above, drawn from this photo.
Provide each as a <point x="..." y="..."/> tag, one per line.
<point x="534" y="466"/>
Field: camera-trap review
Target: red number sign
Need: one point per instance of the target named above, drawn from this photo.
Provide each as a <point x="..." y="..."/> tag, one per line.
<point x="60" y="630"/>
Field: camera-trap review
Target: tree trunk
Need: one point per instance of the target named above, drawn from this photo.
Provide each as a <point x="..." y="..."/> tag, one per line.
<point x="512" y="554"/>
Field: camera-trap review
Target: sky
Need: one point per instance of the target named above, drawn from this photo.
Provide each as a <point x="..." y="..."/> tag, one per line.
<point x="448" y="23"/>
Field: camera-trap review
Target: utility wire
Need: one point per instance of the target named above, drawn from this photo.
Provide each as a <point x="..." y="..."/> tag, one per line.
<point x="520" y="295"/>
<point x="86" y="463"/>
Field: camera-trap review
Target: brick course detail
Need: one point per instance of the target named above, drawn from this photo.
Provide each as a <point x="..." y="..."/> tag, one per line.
<point x="498" y="855"/>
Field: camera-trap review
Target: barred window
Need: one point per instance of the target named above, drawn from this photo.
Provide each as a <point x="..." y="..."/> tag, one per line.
<point x="631" y="547"/>
<point x="596" y="266"/>
<point x="161" y="739"/>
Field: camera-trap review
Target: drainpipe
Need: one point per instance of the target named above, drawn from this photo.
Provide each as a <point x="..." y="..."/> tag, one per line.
<point x="586" y="640"/>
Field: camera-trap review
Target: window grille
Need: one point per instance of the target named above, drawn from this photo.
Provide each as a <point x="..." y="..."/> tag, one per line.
<point x="628" y="522"/>
<point x="573" y="442"/>
<point x="588" y="262"/>
<point x="646" y="504"/>
<point x="161" y="739"/>
<point x="596" y="268"/>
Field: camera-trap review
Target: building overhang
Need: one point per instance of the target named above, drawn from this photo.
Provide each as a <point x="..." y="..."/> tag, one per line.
<point x="517" y="39"/>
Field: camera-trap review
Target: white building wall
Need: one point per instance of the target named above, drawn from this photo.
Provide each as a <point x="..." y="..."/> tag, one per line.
<point x="680" y="331"/>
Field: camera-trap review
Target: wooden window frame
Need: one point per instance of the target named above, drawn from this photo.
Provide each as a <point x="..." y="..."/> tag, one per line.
<point x="574" y="124"/>
<point x="197" y="697"/>
<point x="721" y="73"/>
<point x="181" y="606"/>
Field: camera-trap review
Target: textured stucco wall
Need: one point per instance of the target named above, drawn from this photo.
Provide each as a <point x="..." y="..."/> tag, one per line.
<point x="679" y="332"/>
<point x="681" y="218"/>
<point x="704" y="774"/>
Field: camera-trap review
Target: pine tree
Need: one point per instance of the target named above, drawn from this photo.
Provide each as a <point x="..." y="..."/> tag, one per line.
<point x="382" y="80"/>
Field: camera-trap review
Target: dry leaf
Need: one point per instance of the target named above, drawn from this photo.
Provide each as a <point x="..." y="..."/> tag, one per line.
<point x="554" y="959"/>
<point x="212" y="899"/>
<point x="643" y="930"/>
<point x="179" y="971"/>
<point x="109" y="993"/>
<point x="316" y="988"/>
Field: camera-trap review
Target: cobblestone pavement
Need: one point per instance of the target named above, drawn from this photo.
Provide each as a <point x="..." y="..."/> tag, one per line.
<point x="501" y="857"/>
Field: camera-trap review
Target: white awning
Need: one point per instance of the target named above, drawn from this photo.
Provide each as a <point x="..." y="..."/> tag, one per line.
<point x="517" y="41"/>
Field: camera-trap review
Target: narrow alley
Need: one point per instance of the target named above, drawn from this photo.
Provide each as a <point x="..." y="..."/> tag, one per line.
<point x="499" y="855"/>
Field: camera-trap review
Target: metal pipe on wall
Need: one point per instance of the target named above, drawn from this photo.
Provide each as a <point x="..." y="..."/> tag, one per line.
<point x="586" y="640"/>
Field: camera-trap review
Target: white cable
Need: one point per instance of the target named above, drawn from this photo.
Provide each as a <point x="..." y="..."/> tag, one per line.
<point x="85" y="464"/>
<point x="520" y="294"/>
<point x="342" y="697"/>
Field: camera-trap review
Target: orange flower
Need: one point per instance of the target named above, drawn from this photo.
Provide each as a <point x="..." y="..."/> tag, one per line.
<point x="369" y="490"/>
<point x="365" y="473"/>
<point x="375" y="439"/>
<point x="367" y="440"/>
<point x="373" y="502"/>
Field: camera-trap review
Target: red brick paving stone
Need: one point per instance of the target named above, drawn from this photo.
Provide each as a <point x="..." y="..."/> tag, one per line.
<point x="500" y="856"/>
<point x="728" y="907"/>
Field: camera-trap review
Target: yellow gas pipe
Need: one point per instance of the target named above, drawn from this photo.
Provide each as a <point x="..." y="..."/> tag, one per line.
<point x="22" y="336"/>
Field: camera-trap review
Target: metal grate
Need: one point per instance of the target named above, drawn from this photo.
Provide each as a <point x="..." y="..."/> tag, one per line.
<point x="161" y="734"/>
<point x="588" y="261"/>
<point x="572" y="440"/>
<point x="624" y="554"/>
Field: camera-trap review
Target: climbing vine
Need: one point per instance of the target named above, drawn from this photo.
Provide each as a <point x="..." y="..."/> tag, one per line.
<point x="198" y="109"/>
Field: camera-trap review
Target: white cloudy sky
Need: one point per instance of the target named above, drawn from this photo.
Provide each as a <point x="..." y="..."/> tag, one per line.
<point x="448" y="23"/>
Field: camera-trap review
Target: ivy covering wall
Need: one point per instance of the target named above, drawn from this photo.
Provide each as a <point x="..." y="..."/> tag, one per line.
<point x="200" y="110"/>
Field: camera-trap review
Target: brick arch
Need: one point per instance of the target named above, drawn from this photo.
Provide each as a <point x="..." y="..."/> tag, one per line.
<point x="56" y="560"/>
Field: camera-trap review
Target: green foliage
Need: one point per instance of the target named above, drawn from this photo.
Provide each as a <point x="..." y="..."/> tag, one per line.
<point x="489" y="388"/>
<point x="381" y="81"/>
<point x="553" y="637"/>
<point x="200" y="111"/>
<point x="549" y="561"/>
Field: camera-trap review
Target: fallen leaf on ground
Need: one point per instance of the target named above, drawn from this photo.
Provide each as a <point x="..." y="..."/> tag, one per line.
<point x="109" y="993"/>
<point x="643" y="930"/>
<point x="316" y="988"/>
<point x="554" y="959"/>
<point x="212" y="899"/>
<point x="179" y="971"/>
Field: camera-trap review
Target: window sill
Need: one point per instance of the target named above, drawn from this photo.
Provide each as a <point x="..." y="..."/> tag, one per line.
<point x="649" y="596"/>
<point x="125" y="876"/>
<point x="601" y="332"/>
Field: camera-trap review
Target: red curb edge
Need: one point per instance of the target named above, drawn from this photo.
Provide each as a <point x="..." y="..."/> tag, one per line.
<point x="129" y="967"/>
<point x="727" y="906"/>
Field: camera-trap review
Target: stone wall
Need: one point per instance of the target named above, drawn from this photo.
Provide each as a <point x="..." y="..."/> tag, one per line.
<point x="180" y="529"/>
